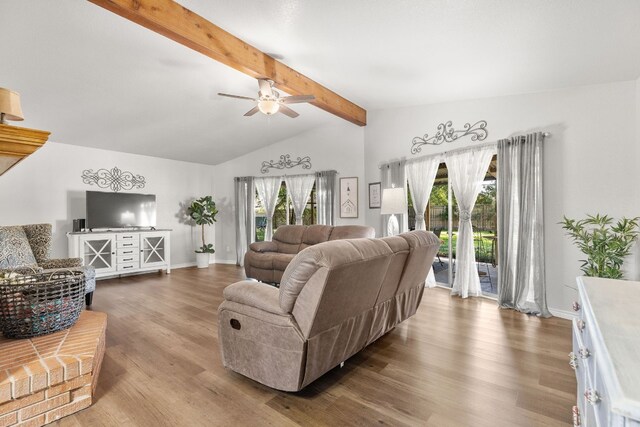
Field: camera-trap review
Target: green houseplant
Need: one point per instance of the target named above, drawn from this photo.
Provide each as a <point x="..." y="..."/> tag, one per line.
<point x="203" y="212"/>
<point x="605" y="244"/>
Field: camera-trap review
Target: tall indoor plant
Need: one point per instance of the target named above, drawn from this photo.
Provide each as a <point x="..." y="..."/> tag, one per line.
<point x="203" y="212"/>
<point x="604" y="244"/>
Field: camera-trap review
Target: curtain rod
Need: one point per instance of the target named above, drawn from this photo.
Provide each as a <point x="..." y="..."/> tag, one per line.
<point x="444" y="153"/>
<point x="282" y="176"/>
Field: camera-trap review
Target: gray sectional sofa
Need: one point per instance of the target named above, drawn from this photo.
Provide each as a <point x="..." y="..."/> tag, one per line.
<point x="335" y="298"/>
<point x="266" y="261"/>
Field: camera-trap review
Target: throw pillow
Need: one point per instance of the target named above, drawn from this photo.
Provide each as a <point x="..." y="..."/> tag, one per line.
<point x="14" y="248"/>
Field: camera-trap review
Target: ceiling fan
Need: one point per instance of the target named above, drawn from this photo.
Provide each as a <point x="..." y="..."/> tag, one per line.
<point x="270" y="102"/>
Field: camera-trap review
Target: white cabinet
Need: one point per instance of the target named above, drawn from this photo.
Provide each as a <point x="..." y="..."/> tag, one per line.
<point x="120" y="252"/>
<point x="606" y="343"/>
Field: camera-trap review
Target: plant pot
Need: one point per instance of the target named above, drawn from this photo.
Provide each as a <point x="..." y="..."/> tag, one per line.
<point x="202" y="260"/>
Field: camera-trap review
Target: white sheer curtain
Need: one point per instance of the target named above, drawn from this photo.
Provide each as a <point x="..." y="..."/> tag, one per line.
<point x="268" y="188"/>
<point x="299" y="188"/>
<point x="393" y="175"/>
<point x="325" y="196"/>
<point x="521" y="225"/>
<point x="467" y="170"/>
<point x="245" y="191"/>
<point x="421" y="175"/>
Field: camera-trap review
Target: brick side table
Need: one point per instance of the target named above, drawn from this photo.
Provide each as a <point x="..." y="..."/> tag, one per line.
<point x="45" y="378"/>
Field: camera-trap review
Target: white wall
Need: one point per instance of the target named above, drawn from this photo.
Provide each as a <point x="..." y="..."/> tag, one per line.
<point x="338" y="147"/>
<point x="591" y="159"/>
<point x="46" y="188"/>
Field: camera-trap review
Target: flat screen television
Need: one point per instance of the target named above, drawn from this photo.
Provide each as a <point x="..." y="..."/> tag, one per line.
<point x="120" y="210"/>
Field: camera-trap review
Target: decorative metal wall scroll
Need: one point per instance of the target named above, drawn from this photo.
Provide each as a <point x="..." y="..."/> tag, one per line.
<point x="115" y="179"/>
<point x="286" y="162"/>
<point x="446" y="133"/>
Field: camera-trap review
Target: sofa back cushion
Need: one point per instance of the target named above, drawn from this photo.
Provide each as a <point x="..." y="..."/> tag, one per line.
<point x="288" y="238"/>
<point x="332" y="281"/>
<point x="423" y="246"/>
<point x="352" y="232"/>
<point x="315" y="234"/>
<point x="15" y="250"/>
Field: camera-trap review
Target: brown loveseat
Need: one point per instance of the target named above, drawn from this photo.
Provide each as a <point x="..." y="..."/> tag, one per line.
<point x="266" y="261"/>
<point x="335" y="298"/>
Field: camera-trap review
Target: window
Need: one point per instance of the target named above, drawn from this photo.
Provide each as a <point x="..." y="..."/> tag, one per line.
<point x="284" y="213"/>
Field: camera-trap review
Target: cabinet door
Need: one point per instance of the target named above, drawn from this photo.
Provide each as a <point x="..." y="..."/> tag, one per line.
<point x="99" y="252"/>
<point x="153" y="249"/>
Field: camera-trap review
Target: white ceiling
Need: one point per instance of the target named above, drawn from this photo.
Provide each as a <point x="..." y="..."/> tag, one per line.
<point x="97" y="80"/>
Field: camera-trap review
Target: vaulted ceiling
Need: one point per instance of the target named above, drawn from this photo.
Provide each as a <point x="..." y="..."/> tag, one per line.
<point x="95" y="79"/>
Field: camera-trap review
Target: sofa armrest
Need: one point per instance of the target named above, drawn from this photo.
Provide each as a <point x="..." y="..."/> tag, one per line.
<point x="264" y="246"/>
<point x="61" y="263"/>
<point x="255" y="294"/>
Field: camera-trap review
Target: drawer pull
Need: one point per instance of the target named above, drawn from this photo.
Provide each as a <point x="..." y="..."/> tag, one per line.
<point x="127" y="244"/>
<point x="128" y="259"/>
<point x="576" y="416"/>
<point x="127" y="237"/>
<point x="576" y="306"/>
<point x="584" y="352"/>
<point x="581" y="325"/>
<point x="592" y="396"/>
<point x="127" y="266"/>
<point x="127" y="252"/>
<point x="573" y="361"/>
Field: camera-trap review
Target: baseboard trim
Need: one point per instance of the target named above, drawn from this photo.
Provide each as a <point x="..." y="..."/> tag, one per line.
<point x="563" y="314"/>
<point x="224" y="261"/>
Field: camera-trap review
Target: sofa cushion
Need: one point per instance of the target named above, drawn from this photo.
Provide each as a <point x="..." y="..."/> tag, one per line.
<point x="281" y="261"/>
<point x="263" y="260"/>
<point x="315" y="234"/>
<point x="14" y="248"/>
<point x="352" y="232"/>
<point x="291" y="234"/>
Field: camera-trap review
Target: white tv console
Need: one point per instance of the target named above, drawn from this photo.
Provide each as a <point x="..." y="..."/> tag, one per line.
<point x="115" y="252"/>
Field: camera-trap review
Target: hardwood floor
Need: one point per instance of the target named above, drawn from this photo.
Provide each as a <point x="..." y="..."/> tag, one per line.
<point x="455" y="363"/>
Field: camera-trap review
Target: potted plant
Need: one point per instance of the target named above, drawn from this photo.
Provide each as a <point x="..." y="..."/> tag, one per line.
<point x="203" y="212"/>
<point x="604" y="244"/>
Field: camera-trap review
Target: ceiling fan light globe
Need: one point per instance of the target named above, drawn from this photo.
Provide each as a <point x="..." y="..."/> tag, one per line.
<point x="268" y="106"/>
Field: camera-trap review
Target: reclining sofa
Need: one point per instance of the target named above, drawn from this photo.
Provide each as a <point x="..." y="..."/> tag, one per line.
<point x="335" y="298"/>
<point x="266" y="261"/>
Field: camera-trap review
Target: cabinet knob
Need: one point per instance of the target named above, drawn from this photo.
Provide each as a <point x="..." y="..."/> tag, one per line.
<point x="592" y="396"/>
<point x="584" y="352"/>
<point x="573" y="361"/>
<point x="576" y="416"/>
<point x="576" y="306"/>
<point x="581" y="325"/>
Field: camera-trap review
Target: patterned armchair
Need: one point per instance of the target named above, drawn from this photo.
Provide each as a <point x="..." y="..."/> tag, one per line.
<point x="28" y="248"/>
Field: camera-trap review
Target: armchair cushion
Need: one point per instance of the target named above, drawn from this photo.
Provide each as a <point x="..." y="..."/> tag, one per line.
<point x="61" y="263"/>
<point x="268" y="246"/>
<point x="39" y="237"/>
<point x="14" y="249"/>
<point x="255" y="294"/>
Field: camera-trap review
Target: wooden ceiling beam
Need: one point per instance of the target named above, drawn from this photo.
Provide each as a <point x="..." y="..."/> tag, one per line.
<point x="178" y="23"/>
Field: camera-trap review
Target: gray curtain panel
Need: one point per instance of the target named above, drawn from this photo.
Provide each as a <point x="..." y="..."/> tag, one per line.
<point x="394" y="175"/>
<point x="326" y="197"/>
<point x="521" y="225"/>
<point x="245" y="192"/>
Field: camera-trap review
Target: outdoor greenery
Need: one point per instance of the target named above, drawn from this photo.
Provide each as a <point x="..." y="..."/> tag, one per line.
<point x="482" y="242"/>
<point x="280" y="213"/>
<point x="203" y="212"/>
<point x="605" y="245"/>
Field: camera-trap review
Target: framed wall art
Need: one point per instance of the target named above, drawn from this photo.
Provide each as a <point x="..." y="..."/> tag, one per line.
<point x="375" y="192"/>
<point x="349" y="197"/>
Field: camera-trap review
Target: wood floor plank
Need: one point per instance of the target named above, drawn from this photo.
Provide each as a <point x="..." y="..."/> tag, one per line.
<point x="455" y="363"/>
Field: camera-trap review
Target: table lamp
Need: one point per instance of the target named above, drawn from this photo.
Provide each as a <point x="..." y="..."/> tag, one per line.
<point x="9" y="106"/>
<point x="394" y="201"/>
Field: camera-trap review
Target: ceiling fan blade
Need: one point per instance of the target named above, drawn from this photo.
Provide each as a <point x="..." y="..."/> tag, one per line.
<point x="236" y="96"/>
<point x="252" y="111"/>
<point x="297" y="99"/>
<point x="265" y="88"/>
<point x="287" y="111"/>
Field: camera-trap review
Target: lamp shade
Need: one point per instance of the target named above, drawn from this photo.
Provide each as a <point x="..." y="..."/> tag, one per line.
<point x="394" y="201"/>
<point x="10" y="105"/>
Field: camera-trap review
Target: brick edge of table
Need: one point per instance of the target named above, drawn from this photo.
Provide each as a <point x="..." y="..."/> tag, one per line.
<point x="67" y="386"/>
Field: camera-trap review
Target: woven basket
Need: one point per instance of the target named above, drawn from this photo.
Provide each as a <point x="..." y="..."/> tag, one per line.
<point x="40" y="303"/>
